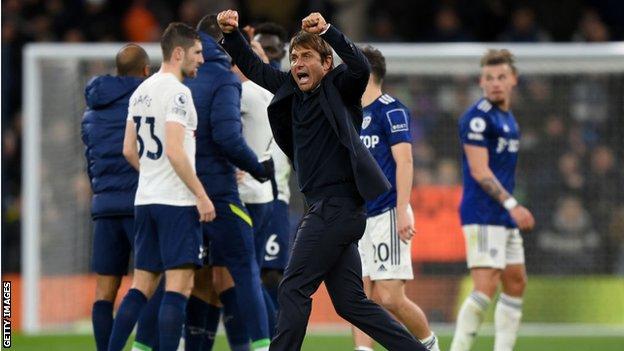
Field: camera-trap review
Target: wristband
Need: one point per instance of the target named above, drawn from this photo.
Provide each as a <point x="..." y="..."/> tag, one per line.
<point x="510" y="203"/>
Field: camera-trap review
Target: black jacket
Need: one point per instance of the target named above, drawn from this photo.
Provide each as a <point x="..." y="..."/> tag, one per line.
<point x="340" y="98"/>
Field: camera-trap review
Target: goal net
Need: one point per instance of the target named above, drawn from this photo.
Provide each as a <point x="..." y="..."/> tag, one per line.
<point x="570" y="106"/>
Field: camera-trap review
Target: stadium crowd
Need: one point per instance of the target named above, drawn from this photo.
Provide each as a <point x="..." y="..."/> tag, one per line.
<point x="572" y="151"/>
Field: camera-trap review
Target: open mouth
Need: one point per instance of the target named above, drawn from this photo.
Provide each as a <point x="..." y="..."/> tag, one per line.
<point x="303" y="77"/>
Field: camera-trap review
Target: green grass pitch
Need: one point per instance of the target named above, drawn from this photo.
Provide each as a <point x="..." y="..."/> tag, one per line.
<point x="340" y="343"/>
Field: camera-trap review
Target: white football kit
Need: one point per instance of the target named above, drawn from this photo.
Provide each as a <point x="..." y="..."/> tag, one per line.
<point x="258" y="135"/>
<point x="493" y="246"/>
<point x="384" y="255"/>
<point x="159" y="99"/>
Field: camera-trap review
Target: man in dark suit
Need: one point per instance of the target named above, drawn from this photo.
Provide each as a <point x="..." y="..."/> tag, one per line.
<point x="315" y="117"/>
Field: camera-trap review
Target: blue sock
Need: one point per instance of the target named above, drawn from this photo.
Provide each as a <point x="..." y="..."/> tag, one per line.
<point x="233" y="321"/>
<point x="102" y="318"/>
<point x="147" y="326"/>
<point x="271" y="311"/>
<point x="213" y="315"/>
<point x="195" y="329"/>
<point x="126" y="318"/>
<point x="171" y="319"/>
<point x="251" y="301"/>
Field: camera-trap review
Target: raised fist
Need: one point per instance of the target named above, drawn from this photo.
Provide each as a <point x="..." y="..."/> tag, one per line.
<point x="314" y="23"/>
<point x="228" y="20"/>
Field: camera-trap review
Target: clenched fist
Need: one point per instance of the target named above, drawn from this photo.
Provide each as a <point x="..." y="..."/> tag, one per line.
<point x="228" y="21"/>
<point x="314" y="23"/>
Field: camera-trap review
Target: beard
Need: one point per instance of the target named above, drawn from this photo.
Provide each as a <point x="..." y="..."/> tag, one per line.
<point x="188" y="73"/>
<point x="496" y="101"/>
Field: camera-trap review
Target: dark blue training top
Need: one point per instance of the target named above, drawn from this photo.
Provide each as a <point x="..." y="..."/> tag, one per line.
<point x="113" y="180"/>
<point x="386" y="122"/>
<point x="220" y="146"/>
<point x="485" y="125"/>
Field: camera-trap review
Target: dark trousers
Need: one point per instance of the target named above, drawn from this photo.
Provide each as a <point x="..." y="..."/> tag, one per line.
<point x="325" y="249"/>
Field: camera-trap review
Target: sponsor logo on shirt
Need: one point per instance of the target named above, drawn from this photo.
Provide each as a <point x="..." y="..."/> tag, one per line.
<point x="398" y="120"/>
<point x="370" y="141"/>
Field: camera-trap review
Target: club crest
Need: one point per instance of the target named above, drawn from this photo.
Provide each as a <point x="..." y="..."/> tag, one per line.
<point x="366" y="122"/>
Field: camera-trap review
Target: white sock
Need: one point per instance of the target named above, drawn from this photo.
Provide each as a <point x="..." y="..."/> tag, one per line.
<point x="468" y="320"/>
<point x="363" y="348"/>
<point x="431" y="342"/>
<point x="507" y="322"/>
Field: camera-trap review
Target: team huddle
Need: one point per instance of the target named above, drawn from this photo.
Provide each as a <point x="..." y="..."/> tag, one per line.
<point x="190" y="169"/>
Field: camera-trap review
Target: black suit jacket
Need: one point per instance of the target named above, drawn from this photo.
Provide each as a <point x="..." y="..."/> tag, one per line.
<point x="340" y="98"/>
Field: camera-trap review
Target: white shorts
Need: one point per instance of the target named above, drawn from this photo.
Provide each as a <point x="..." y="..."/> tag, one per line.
<point x="492" y="246"/>
<point x="384" y="255"/>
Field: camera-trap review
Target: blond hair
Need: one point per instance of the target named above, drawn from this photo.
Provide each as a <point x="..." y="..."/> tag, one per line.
<point x="498" y="57"/>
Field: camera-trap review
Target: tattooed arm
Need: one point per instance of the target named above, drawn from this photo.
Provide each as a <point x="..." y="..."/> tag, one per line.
<point x="477" y="157"/>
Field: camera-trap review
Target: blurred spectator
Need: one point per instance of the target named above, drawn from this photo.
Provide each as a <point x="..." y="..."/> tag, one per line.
<point x="422" y="177"/>
<point x="189" y="12"/>
<point x="140" y="24"/>
<point x="616" y="241"/>
<point x="447" y="172"/>
<point x="591" y="28"/>
<point x="383" y="29"/>
<point x="570" y="176"/>
<point x="97" y="23"/>
<point x="351" y="16"/>
<point x="571" y="245"/>
<point x="448" y="27"/>
<point x="552" y="142"/>
<point x="523" y="28"/>
<point x="589" y="103"/>
<point x="576" y="140"/>
<point x="73" y="35"/>
<point x="11" y="197"/>
<point x="605" y="186"/>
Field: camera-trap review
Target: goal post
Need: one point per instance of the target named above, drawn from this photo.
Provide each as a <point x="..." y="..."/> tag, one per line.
<point x="56" y="226"/>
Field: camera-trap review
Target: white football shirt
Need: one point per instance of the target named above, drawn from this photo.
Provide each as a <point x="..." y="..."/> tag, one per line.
<point x="258" y="135"/>
<point x="282" y="172"/>
<point x="159" y="99"/>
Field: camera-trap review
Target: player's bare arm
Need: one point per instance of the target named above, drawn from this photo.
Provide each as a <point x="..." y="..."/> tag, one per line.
<point x="228" y="21"/>
<point x="314" y="23"/>
<point x="130" y="151"/>
<point x="402" y="154"/>
<point x="174" y="134"/>
<point x="477" y="157"/>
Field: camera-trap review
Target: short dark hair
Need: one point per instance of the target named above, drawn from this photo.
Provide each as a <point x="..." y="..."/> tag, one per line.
<point x="498" y="57"/>
<point x="209" y="25"/>
<point x="314" y="42"/>
<point x="177" y="34"/>
<point x="272" y="28"/>
<point x="377" y="62"/>
<point x="131" y="60"/>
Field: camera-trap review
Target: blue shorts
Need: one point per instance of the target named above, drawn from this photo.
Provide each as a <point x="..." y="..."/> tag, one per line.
<point x="229" y="238"/>
<point x="113" y="238"/>
<point x="261" y="218"/>
<point x="277" y="245"/>
<point x="167" y="237"/>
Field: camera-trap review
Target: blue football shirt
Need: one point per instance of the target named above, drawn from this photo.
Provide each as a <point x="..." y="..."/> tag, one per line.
<point x="485" y="125"/>
<point x="386" y="122"/>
